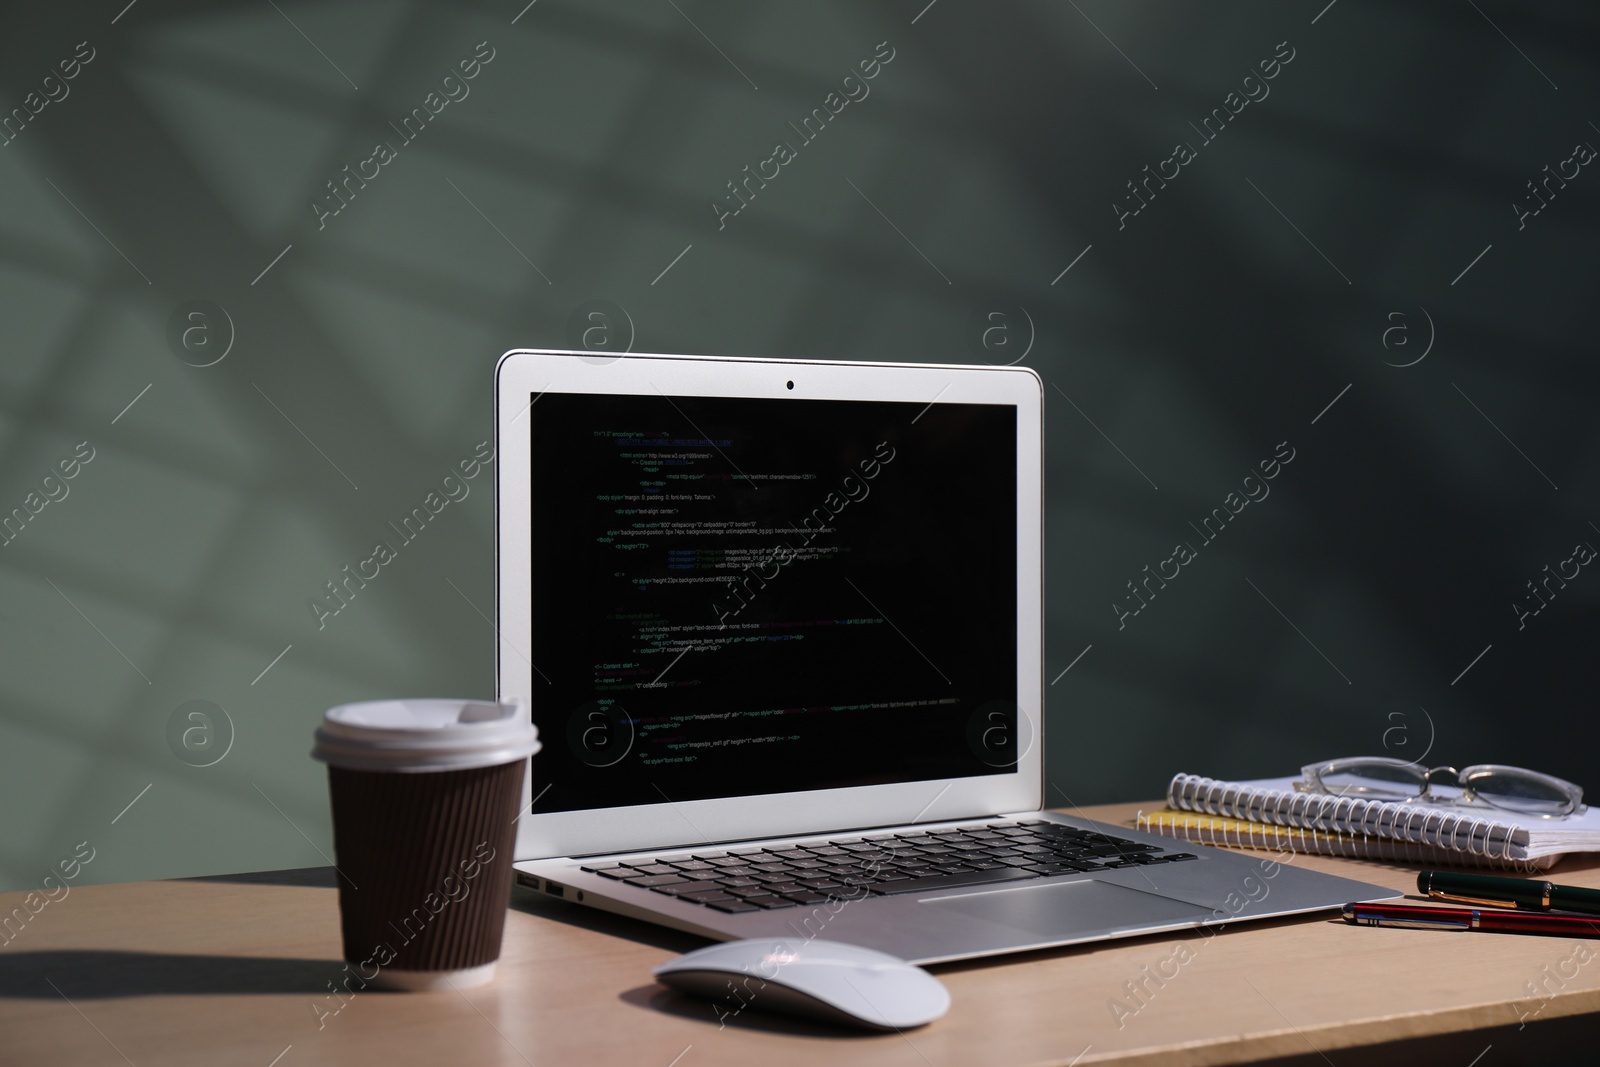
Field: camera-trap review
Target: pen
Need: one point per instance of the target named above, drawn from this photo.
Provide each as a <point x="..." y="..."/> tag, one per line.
<point x="1524" y="894"/>
<point x="1410" y="916"/>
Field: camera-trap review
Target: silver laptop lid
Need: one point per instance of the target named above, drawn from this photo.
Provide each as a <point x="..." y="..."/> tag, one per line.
<point x="749" y="598"/>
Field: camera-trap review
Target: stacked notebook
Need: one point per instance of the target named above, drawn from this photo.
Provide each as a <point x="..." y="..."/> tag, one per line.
<point x="1270" y="814"/>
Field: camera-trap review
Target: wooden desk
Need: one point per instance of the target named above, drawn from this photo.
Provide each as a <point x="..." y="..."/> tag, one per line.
<point x="227" y="970"/>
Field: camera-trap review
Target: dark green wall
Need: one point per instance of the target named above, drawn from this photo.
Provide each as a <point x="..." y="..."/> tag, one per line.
<point x="1335" y="617"/>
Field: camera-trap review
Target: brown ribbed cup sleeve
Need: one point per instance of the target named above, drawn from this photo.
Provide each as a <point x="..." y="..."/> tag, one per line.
<point x="412" y="850"/>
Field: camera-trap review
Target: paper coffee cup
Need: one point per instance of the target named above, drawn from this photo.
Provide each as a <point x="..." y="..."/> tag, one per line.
<point x="425" y="794"/>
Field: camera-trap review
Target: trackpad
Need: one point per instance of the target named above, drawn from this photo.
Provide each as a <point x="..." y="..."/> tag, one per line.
<point x="1070" y="908"/>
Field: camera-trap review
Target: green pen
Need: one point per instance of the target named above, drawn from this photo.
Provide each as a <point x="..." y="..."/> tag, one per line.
<point x="1524" y="894"/>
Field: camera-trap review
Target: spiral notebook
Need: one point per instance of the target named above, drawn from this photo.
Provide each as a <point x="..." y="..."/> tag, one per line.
<point x="1238" y="833"/>
<point x="1497" y="836"/>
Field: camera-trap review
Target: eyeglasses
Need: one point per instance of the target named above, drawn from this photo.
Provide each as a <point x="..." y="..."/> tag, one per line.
<point x="1382" y="778"/>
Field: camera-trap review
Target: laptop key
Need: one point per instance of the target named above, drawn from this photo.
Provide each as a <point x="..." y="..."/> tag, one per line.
<point x="655" y="868"/>
<point x="611" y="872"/>
<point x="769" y="901"/>
<point x="776" y="877"/>
<point x="806" y="896"/>
<point x="657" y="881"/>
<point x="706" y="896"/>
<point x="691" y="865"/>
<point x="1066" y="857"/>
<point x="951" y="881"/>
<point x="683" y="888"/>
<point x="739" y="883"/>
<point x="770" y="868"/>
<point x="733" y="906"/>
<point x="1060" y="867"/>
<point x="747" y="890"/>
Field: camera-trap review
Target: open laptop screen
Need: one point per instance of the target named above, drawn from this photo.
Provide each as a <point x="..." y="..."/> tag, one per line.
<point x="744" y="596"/>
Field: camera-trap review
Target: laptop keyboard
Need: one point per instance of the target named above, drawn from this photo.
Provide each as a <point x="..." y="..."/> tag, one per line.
<point x="756" y="879"/>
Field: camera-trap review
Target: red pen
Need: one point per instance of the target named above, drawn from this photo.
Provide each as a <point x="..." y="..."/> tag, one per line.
<point x="1505" y="922"/>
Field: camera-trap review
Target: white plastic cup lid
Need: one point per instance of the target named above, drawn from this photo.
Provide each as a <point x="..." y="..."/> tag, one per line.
<point x="425" y="735"/>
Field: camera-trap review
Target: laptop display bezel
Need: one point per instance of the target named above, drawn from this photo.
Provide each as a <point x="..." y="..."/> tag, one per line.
<point x="524" y="374"/>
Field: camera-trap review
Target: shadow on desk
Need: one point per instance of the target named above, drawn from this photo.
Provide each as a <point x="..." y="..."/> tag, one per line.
<point x="671" y="1002"/>
<point x="1568" y="1042"/>
<point x="658" y="998"/>
<point x="595" y="920"/>
<point x="98" y="975"/>
<point x="312" y="877"/>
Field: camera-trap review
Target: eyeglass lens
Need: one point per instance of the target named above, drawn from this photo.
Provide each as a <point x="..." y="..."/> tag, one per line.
<point x="1505" y="788"/>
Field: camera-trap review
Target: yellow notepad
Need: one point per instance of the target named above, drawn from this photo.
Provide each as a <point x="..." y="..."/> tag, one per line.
<point x="1239" y="833"/>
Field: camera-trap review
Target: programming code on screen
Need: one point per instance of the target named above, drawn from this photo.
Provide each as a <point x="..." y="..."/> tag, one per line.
<point x="747" y="596"/>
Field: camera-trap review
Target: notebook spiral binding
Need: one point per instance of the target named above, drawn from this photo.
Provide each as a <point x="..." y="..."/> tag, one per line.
<point x="1459" y="831"/>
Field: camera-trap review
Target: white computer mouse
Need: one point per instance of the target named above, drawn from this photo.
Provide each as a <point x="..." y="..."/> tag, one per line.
<point x="824" y="980"/>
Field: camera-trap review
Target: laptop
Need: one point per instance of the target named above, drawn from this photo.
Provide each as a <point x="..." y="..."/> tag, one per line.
<point x="779" y="623"/>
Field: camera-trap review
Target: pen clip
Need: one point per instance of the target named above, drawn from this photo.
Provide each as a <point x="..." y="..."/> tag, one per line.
<point x="1434" y="894"/>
